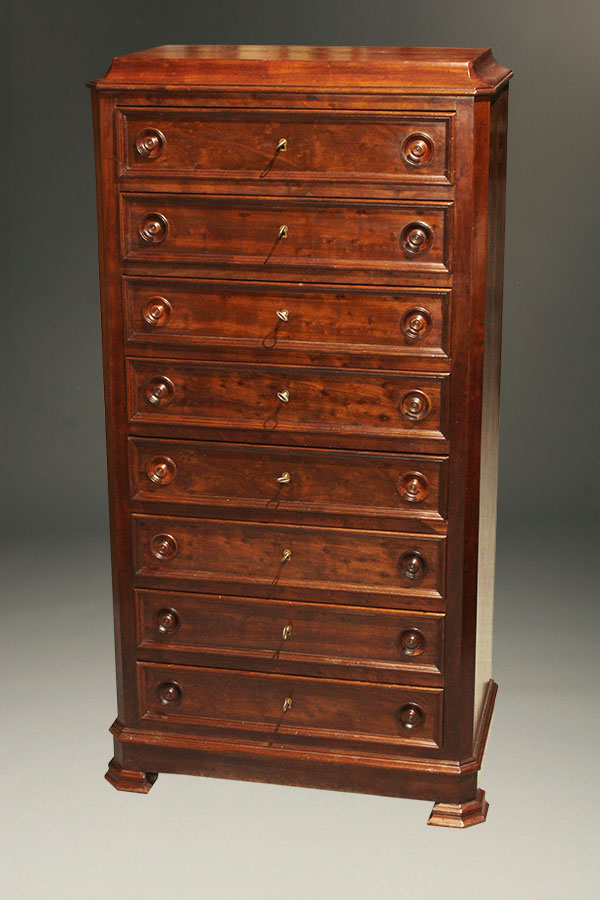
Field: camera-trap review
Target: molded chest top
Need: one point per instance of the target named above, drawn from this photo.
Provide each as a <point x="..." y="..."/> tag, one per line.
<point x="421" y="70"/>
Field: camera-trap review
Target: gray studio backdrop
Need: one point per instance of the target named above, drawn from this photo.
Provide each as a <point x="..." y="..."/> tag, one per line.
<point x="54" y="469"/>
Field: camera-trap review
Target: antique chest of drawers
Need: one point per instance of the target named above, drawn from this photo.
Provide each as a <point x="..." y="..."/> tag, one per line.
<point x="301" y="256"/>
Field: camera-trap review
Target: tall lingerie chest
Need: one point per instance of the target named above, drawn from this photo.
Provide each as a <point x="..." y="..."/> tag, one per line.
<point x="301" y="254"/>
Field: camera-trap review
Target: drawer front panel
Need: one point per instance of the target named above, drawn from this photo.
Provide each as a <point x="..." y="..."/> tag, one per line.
<point x="283" y="633"/>
<point x="369" y="567"/>
<point x="314" y="707"/>
<point x="274" y="147"/>
<point x="182" y="312"/>
<point x="277" y="400"/>
<point x="276" y="236"/>
<point x="253" y="477"/>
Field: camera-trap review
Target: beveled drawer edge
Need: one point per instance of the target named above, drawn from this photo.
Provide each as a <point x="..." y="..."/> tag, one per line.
<point x="369" y="117"/>
<point x="279" y="729"/>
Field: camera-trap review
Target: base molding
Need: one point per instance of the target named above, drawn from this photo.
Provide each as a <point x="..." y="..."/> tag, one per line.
<point x="129" y="779"/>
<point x="451" y="783"/>
<point x="460" y="815"/>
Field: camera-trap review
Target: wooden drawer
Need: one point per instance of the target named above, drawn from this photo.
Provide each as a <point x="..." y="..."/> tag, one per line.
<point x="272" y="402"/>
<point x="364" y="151"/>
<point x="286" y="479"/>
<point x="290" y="710"/>
<point x="306" y="638"/>
<point x="368" y="568"/>
<point x="266" y="318"/>
<point x="287" y="239"/>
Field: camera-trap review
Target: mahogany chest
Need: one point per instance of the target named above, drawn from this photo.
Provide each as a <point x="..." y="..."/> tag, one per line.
<point x="301" y="254"/>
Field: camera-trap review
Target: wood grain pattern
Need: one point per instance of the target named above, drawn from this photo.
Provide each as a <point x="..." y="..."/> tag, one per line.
<point x="271" y="318"/>
<point x="251" y="706"/>
<point x="348" y="483"/>
<point x="354" y="355"/>
<point x="326" y="563"/>
<point x="446" y="70"/>
<point x="238" y="145"/>
<point x="326" y="240"/>
<point x="344" y="642"/>
<point x="328" y="401"/>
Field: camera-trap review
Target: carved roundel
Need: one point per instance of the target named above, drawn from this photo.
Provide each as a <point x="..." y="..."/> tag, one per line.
<point x="413" y="487"/>
<point x="161" y="469"/>
<point x="416" y="323"/>
<point x="416" y="238"/>
<point x="169" y="693"/>
<point x="412" y="565"/>
<point x="156" y="312"/>
<point x="153" y="228"/>
<point x="412" y="642"/>
<point x="415" y="405"/>
<point x="160" y="391"/>
<point x="167" y="621"/>
<point x="164" y="546"/>
<point x="417" y="149"/>
<point x="150" y="142"/>
<point x="411" y="716"/>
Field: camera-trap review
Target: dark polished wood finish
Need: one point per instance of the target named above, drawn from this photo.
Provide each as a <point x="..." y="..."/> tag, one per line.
<point x="301" y="281"/>
<point x="184" y="314"/>
<point x="305" y="405"/>
<point x="292" y="240"/>
<point x="371" y="568"/>
<point x="279" y="482"/>
<point x="289" y="711"/>
<point x="296" y="637"/>
<point x="238" y="147"/>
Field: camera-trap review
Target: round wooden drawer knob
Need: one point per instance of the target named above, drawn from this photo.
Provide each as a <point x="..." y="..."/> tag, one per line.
<point x="161" y="469"/>
<point x="149" y="143"/>
<point x="416" y="324"/>
<point x="417" y="149"/>
<point x="413" y="487"/>
<point x="156" y="312"/>
<point x="412" y="565"/>
<point x="412" y="642"/>
<point x="164" y="546"/>
<point x="416" y="238"/>
<point x="411" y="716"/>
<point x="167" y="621"/>
<point x="415" y="405"/>
<point x="160" y="391"/>
<point x="169" y="693"/>
<point x="153" y="228"/>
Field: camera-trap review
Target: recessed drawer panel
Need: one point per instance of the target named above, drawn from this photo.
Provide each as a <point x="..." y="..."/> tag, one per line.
<point x="275" y="147"/>
<point x="287" y="710"/>
<point x="288" y="561"/>
<point x="287" y="239"/>
<point x="244" y="633"/>
<point x="205" y="473"/>
<point x="350" y="321"/>
<point x="275" y="401"/>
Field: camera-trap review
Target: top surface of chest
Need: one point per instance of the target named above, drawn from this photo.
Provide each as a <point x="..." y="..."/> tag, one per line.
<point x="427" y="70"/>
